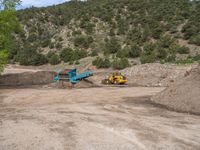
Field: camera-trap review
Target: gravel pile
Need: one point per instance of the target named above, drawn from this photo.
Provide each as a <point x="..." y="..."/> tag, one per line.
<point x="155" y="74"/>
<point x="183" y="95"/>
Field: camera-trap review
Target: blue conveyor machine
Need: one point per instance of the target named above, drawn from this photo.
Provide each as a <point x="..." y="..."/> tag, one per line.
<point x="72" y="76"/>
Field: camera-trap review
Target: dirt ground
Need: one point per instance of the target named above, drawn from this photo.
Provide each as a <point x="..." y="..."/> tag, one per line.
<point x="92" y="119"/>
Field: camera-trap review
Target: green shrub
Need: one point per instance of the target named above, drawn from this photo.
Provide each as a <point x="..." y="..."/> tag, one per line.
<point x="184" y="61"/>
<point x="54" y="59"/>
<point x="195" y="40"/>
<point x="49" y="54"/>
<point x="189" y="30"/>
<point x="94" y="53"/>
<point x="39" y="59"/>
<point x="120" y="63"/>
<point x="135" y="35"/>
<point x="182" y="50"/>
<point x="166" y="41"/>
<point x="106" y="63"/>
<point x="89" y="27"/>
<point x="149" y="48"/>
<point x="77" y="62"/>
<point x="123" y="53"/>
<point x="58" y="45"/>
<point x="66" y="54"/>
<point x="77" y="32"/>
<point x="112" y="46"/>
<point x="97" y="62"/>
<point x="71" y="62"/>
<point x="171" y="58"/>
<point x="32" y="38"/>
<point x="112" y="32"/>
<point x="78" y="54"/>
<point x="148" y="58"/>
<point x="134" y="51"/>
<point x="14" y="47"/>
<point x="51" y="46"/>
<point x="29" y="58"/>
<point x="83" y="41"/>
<point x="60" y="39"/>
<point x="3" y="59"/>
<point x="90" y="39"/>
<point x="121" y="27"/>
<point x="157" y="32"/>
<point x="196" y="58"/>
<point x="46" y="43"/>
<point x="101" y="63"/>
<point x="161" y="53"/>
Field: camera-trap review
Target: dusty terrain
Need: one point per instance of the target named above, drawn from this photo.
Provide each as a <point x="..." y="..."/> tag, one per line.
<point x="91" y="116"/>
<point x="92" y="119"/>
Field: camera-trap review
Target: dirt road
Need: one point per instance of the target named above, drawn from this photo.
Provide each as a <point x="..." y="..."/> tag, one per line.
<point x="92" y="119"/>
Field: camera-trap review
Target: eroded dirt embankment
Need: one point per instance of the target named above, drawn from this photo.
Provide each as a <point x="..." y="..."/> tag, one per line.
<point x="36" y="78"/>
<point x="26" y="78"/>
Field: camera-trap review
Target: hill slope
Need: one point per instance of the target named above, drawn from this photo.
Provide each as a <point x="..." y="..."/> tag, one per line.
<point x="154" y="30"/>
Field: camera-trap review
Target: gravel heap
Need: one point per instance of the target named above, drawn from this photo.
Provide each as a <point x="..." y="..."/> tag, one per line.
<point x="183" y="95"/>
<point x="155" y="74"/>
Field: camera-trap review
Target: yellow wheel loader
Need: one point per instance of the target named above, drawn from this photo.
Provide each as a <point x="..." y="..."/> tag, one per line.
<point x="115" y="78"/>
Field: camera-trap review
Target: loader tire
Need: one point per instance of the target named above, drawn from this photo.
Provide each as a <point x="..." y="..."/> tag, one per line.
<point x="106" y="81"/>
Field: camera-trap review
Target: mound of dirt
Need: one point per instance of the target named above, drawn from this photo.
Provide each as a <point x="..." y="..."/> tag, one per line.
<point x="27" y="78"/>
<point x="86" y="83"/>
<point x="183" y="95"/>
<point x="155" y="74"/>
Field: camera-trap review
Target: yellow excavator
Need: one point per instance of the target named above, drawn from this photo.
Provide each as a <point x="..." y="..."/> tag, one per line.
<point x="115" y="78"/>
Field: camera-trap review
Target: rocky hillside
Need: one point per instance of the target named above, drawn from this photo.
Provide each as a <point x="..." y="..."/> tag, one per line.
<point x="152" y="30"/>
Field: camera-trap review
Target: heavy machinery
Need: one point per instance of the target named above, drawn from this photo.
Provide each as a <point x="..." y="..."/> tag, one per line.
<point x="70" y="75"/>
<point x="115" y="78"/>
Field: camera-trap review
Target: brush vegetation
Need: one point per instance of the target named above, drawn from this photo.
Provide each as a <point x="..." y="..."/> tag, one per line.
<point x="124" y="29"/>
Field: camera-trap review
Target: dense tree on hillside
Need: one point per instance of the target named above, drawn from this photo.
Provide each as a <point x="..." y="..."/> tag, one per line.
<point x="29" y="56"/>
<point x="101" y="63"/>
<point x="54" y="59"/>
<point x="83" y="41"/>
<point x="66" y="54"/>
<point x="8" y="24"/>
<point x="135" y="51"/>
<point x="120" y="63"/>
<point x="112" y="46"/>
<point x="69" y="55"/>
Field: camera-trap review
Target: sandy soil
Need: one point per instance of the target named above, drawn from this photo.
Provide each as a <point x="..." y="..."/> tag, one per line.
<point x="92" y="119"/>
